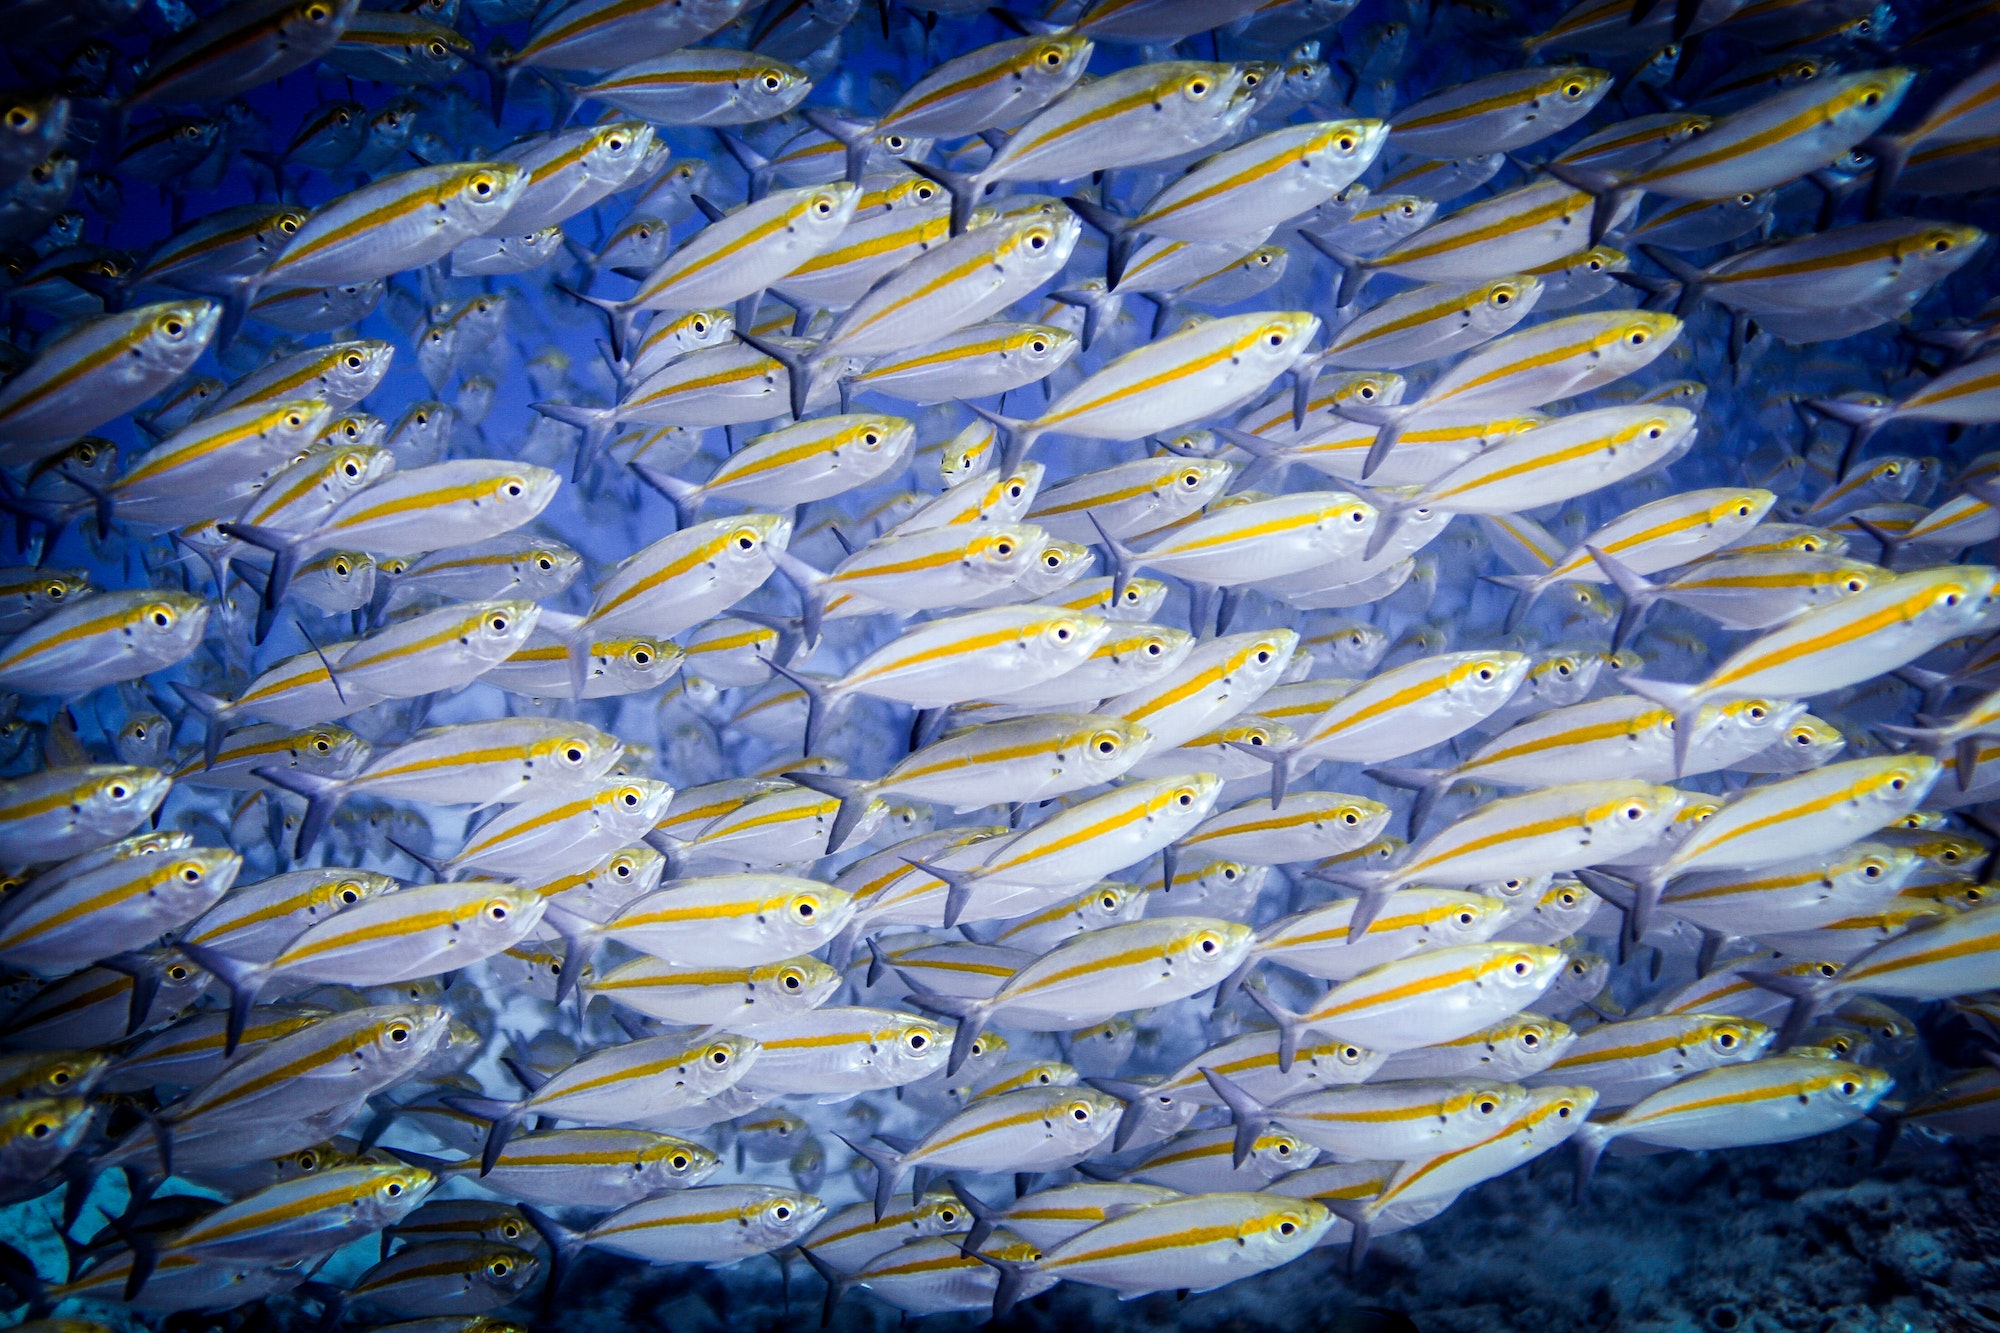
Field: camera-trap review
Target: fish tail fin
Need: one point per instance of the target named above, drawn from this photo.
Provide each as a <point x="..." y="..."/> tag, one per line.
<point x="1891" y="155"/>
<point x="284" y="548"/>
<point x="1119" y="235"/>
<point x="1623" y="894"/>
<point x="1014" y="1275"/>
<point x="801" y="367"/>
<point x="1250" y="1115"/>
<point x="1639" y="592"/>
<point x="958" y="889"/>
<point x="1388" y="420"/>
<point x="1808" y="995"/>
<point x="1590" y="1141"/>
<point x="1352" y="270"/>
<point x="1862" y="421"/>
<point x="971" y="1015"/>
<point x="838" y="1284"/>
<point x="965" y="188"/>
<point x="1098" y="308"/>
<point x="1685" y="700"/>
<point x="1357" y="1214"/>
<point x="501" y="1117"/>
<point x="856" y="136"/>
<point x="146" y="977"/>
<point x="1430" y="785"/>
<point x="1290" y="1024"/>
<point x="754" y="164"/>
<point x="582" y="942"/>
<point x="145" y="1253"/>
<point x="1305" y="372"/>
<point x="890" y="1169"/>
<point x="1269" y="455"/>
<point x="1016" y="435"/>
<point x="1124" y="561"/>
<point x="985" y="1217"/>
<point x="215" y="712"/>
<point x="684" y="496"/>
<point x="1137" y="1100"/>
<point x="1527" y="590"/>
<point x="820" y="700"/>
<point x="597" y="424"/>
<point x="244" y="979"/>
<point x="1693" y="281"/>
<point x="854" y="795"/>
<point x="322" y="794"/>
<point x="437" y="865"/>
<point x="1936" y="685"/>
<point x="17" y="1273"/>
<point x="1610" y="200"/>
<point x="619" y="316"/>
<point x="564" y="1242"/>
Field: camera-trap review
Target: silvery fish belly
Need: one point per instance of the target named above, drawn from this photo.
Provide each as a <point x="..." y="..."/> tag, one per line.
<point x="1101" y="644"/>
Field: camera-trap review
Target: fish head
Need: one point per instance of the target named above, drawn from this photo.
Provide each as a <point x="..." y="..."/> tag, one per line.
<point x="1481" y="1105"/>
<point x="1209" y="947"/>
<point x="39" y="1132"/>
<point x="795" y="985"/>
<point x="1040" y="347"/>
<point x="1525" y="969"/>
<point x="1276" y="1151"/>
<point x="118" y="795"/>
<point x="1466" y="918"/>
<point x="1856" y="1087"/>
<point x="198" y="874"/>
<point x="1495" y="307"/>
<point x="481" y="193"/>
<point x="810" y="917"/>
<point x="781" y="1217"/>
<point x="394" y="1192"/>
<point x="616" y="150"/>
<point x="355" y="368"/>
<point x="1342" y="149"/>
<point x="1082" y="1117"/>
<point x="1056" y="565"/>
<point x="1482" y="682"/>
<point x="1723" y="1039"/>
<point x="674" y="1163"/>
<point x="176" y="333"/>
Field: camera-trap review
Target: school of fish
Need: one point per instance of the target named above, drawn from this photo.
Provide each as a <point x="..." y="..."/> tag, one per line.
<point x="621" y="644"/>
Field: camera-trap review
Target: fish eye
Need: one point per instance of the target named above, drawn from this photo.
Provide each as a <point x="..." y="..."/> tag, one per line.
<point x="1638" y="337"/>
<point x="22" y="118"/>
<point x="916" y="1040"/>
<point x="744" y="539"/>
<point x="514" y="488"/>
<point x="1849" y="1087"/>
<point x="1054" y="560"/>
<point x="399" y="1034"/>
<point x="680" y="1162"/>
<point x="871" y="438"/>
<point x="190" y="873"/>
<point x="1466" y="918"/>
<point x="482" y="185"/>
<point x="823" y="206"/>
<point x="437" y="50"/>
<point x="497" y="622"/>
<point x="630" y="797"/>
<point x="1275" y="337"/>
<point x="792" y="980"/>
<point x="1522" y="966"/>
<point x="544" y="564"/>
<point x="1197" y="87"/>
<point x="500" y="1267"/>
<point x="1208" y="944"/>
<point x="1003" y="547"/>
<point x="1487" y="1106"/>
<point x="771" y="81"/>
<point x="1871" y="98"/>
<point x="1898" y="782"/>
<point x="394" y="1189"/>
<point x="1079" y="1112"/>
<point x="896" y="143"/>
<point x="719" y="1056"/>
<point x="1184" y="798"/>
<point x="805" y="909"/>
<point x="497" y="911"/>
<point x="1345" y="143"/>
<point x="1038" y="345"/>
<point x="1051" y="57"/>
<point x="642" y="657"/>
<point x="178" y="972"/>
<point x="349" y="896"/>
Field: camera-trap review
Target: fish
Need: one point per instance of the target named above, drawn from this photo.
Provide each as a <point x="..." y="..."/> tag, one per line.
<point x="669" y="633"/>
